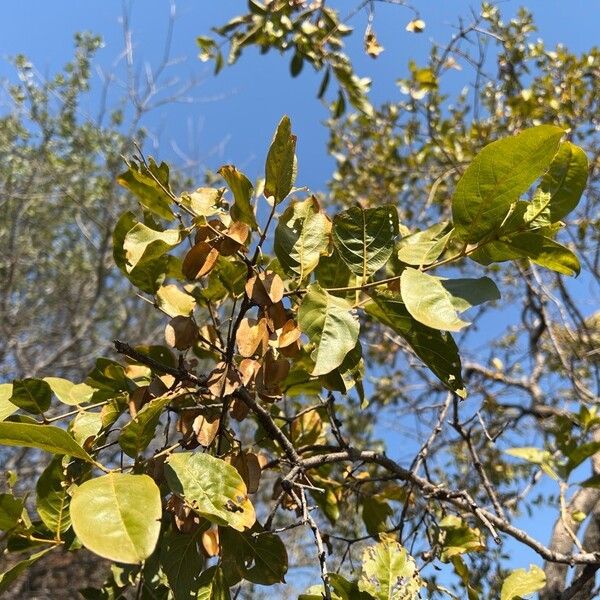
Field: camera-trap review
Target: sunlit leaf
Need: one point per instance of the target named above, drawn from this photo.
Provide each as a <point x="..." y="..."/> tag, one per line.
<point x="213" y="488"/>
<point x="281" y="166"/>
<point x="301" y="236"/>
<point x="497" y="177"/>
<point x="242" y="189"/>
<point x="330" y="324"/>
<point x="521" y="583"/>
<point x="45" y="437"/>
<point x="389" y="572"/>
<point x="117" y="516"/>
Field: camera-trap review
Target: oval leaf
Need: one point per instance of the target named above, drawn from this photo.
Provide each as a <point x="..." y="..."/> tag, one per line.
<point x="117" y="516"/>
<point x="520" y="583"/>
<point x="45" y="437"/>
<point x="428" y="301"/>
<point x="213" y="488"/>
<point x="329" y="323"/>
<point x="498" y="176"/>
<point x="365" y="238"/>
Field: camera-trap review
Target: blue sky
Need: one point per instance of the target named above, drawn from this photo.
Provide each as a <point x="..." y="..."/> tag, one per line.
<point x="234" y="114"/>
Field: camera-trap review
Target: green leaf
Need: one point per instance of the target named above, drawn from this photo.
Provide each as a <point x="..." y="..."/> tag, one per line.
<point x="458" y="538"/>
<point x="536" y="456"/>
<point x="70" y="393"/>
<point x="428" y="301"/>
<point x="150" y="184"/>
<point x="257" y="555"/>
<point x="466" y="293"/>
<point x="52" y="498"/>
<point x="213" y="585"/>
<point x="423" y="247"/>
<point x="332" y="272"/>
<point x="281" y="165"/>
<point x="180" y="560"/>
<point x="143" y="244"/>
<point x="435" y="348"/>
<point x="498" y="176"/>
<point x="375" y="513"/>
<point x="365" y="238"/>
<point x="342" y="589"/>
<point x="521" y="583"/>
<point x="32" y="395"/>
<point x="213" y="488"/>
<point x="534" y="246"/>
<point x="301" y="237"/>
<point x="242" y="190"/>
<point x="462" y="571"/>
<point x="139" y="432"/>
<point x="330" y="324"/>
<point x="565" y="180"/>
<point x="581" y="453"/>
<point x="147" y="276"/>
<point x="84" y="426"/>
<point x="11" y="509"/>
<point x="117" y="516"/>
<point x="45" y="437"/>
<point x="13" y="573"/>
<point x="172" y="301"/>
<point x="7" y="408"/>
<point x="389" y="572"/>
<point x="204" y="202"/>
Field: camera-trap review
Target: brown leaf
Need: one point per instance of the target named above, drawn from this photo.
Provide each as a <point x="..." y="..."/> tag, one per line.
<point x="184" y="518"/>
<point x="199" y="261"/>
<point x="277" y="315"/>
<point x="181" y="333"/>
<point x="205" y="430"/>
<point x="247" y="465"/>
<point x="239" y="409"/>
<point x="288" y="503"/>
<point x="290" y="333"/>
<point x="210" y="232"/>
<point x="137" y="399"/>
<point x="265" y="288"/>
<point x="271" y="375"/>
<point x="210" y="542"/>
<point x="233" y="239"/>
<point x="223" y="380"/>
<point x="252" y="336"/>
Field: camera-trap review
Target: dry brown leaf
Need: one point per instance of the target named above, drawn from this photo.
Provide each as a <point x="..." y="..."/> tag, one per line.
<point x="239" y="410"/>
<point x="265" y="288"/>
<point x="181" y="333"/>
<point x="252" y="337"/>
<point x="199" y="261"/>
<point x="278" y="316"/>
<point x="290" y="333"/>
<point x="234" y="238"/>
<point x="184" y="518"/>
<point x="223" y="380"/>
<point x="247" y="465"/>
<point x="205" y="430"/>
<point x="416" y="26"/>
<point x="372" y="46"/>
<point x="210" y="542"/>
<point x="137" y="399"/>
